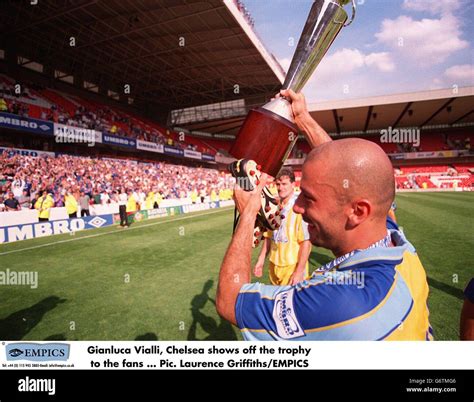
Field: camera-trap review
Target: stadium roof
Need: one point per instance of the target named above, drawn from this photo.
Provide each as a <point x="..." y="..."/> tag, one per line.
<point x="444" y="108"/>
<point x="173" y="53"/>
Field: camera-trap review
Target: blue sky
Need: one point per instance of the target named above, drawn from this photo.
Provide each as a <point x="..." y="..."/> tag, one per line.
<point x="393" y="46"/>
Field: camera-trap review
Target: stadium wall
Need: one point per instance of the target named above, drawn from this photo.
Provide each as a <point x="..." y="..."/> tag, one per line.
<point x="32" y="230"/>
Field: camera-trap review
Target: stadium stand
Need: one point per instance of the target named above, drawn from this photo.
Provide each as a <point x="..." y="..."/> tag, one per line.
<point x="47" y="104"/>
<point x="59" y="107"/>
<point x="424" y="182"/>
<point x="428" y="142"/>
<point x="434" y="177"/>
<point x="464" y="167"/>
<point x="217" y="145"/>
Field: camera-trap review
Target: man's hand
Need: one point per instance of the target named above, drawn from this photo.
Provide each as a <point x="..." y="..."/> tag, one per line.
<point x="314" y="133"/>
<point x="258" y="269"/>
<point x="297" y="277"/>
<point x="250" y="201"/>
<point x="298" y="104"/>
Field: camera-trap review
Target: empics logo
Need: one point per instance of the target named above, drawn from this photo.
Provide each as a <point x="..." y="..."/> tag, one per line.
<point x="37" y="351"/>
<point x="28" y="384"/>
<point x="15" y="352"/>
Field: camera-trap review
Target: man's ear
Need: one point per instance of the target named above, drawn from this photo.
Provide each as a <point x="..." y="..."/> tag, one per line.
<point x="359" y="211"/>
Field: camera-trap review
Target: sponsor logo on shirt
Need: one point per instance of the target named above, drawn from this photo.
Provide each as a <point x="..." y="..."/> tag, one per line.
<point x="284" y="315"/>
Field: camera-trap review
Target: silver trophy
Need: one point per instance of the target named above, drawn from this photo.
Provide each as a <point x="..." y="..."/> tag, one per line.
<point x="264" y="135"/>
<point x="325" y="20"/>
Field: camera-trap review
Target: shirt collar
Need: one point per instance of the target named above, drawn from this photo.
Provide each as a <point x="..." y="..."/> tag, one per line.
<point x="381" y="254"/>
<point x="289" y="204"/>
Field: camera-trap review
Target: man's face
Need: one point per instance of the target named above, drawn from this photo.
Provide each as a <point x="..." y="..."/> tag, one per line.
<point x="284" y="187"/>
<point x="318" y="203"/>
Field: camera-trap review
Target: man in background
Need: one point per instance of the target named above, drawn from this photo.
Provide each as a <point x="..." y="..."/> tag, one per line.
<point x="202" y="194"/>
<point x="84" y="201"/>
<point x="44" y="205"/>
<point x="24" y="200"/>
<point x="104" y="197"/>
<point x="123" y="207"/>
<point x="289" y="246"/>
<point x="131" y="205"/>
<point x="18" y="185"/>
<point x="11" y="203"/>
<point x="71" y="205"/>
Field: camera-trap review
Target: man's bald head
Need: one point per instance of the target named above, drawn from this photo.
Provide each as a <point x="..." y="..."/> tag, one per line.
<point x="356" y="169"/>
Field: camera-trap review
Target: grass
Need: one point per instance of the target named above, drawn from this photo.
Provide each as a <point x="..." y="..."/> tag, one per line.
<point x="440" y="226"/>
<point x="157" y="280"/>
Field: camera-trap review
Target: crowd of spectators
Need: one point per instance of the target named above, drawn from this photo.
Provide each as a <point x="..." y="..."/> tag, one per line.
<point x="25" y="178"/>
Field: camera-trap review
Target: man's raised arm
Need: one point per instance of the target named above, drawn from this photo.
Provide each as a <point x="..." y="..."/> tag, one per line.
<point x="235" y="269"/>
<point x="314" y="133"/>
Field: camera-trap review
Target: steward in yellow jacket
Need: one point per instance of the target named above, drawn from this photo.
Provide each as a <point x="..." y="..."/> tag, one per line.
<point x="44" y="205"/>
<point x="70" y="203"/>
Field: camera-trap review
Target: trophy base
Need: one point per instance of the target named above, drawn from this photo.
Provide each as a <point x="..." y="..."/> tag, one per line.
<point x="267" y="138"/>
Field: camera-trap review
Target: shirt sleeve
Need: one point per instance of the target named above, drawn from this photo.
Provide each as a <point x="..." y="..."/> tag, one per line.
<point x="254" y="311"/>
<point x="323" y="309"/>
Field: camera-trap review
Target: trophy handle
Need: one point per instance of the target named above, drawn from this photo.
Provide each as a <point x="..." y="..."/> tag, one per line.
<point x="352" y="16"/>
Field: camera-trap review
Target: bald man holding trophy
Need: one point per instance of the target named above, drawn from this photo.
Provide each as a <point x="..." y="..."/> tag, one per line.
<point x="269" y="133"/>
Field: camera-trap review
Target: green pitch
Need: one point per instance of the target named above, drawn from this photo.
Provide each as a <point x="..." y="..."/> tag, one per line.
<point x="157" y="280"/>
